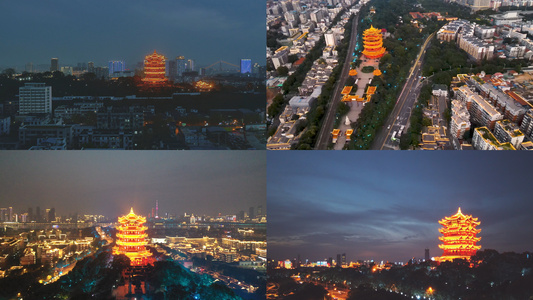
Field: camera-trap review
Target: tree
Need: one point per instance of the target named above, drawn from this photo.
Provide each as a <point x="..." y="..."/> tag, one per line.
<point x="293" y="58"/>
<point x="283" y="71"/>
<point x="9" y="72"/>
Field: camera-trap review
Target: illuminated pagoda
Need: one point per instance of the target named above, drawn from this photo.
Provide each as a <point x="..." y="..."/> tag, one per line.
<point x="154" y="69"/>
<point x="459" y="236"/>
<point x="373" y="43"/>
<point x="132" y="239"/>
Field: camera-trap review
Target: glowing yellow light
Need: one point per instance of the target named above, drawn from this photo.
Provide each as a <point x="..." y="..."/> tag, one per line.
<point x="373" y="43"/>
<point x="430" y="291"/>
<point x="154" y="69"/>
<point x="132" y="239"/>
<point x="459" y="236"/>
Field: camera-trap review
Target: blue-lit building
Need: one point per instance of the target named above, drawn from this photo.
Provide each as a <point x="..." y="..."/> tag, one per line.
<point x="116" y="66"/>
<point x="246" y="66"/>
<point x="181" y="65"/>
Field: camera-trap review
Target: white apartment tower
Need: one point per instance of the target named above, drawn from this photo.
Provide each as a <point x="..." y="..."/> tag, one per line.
<point x="35" y="98"/>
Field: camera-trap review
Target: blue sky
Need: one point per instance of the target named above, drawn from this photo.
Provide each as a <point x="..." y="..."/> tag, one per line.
<point x="385" y="205"/>
<point x="99" y="31"/>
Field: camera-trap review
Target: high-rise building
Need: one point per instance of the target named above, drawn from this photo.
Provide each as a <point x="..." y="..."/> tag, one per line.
<point x="54" y="65"/>
<point x="246" y="66"/>
<point x="339" y="260"/>
<point x="132" y="239"/>
<point x="426" y="254"/>
<point x="507" y="132"/>
<point x="38" y="214"/>
<point x="459" y="236"/>
<point x="154" y="70"/>
<point x="116" y="66"/>
<point x="181" y="65"/>
<point x="343" y="259"/>
<point x="260" y="210"/>
<point x="66" y="70"/>
<point x="29" y="67"/>
<point x="483" y="139"/>
<point x="52" y="215"/>
<point x="101" y="72"/>
<point x="4" y="215"/>
<point x="251" y="214"/>
<point x="35" y="98"/>
<point x="190" y="65"/>
<point x="90" y="67"/>
<point x="172" y="70"/>
<point x="331" y="38"/>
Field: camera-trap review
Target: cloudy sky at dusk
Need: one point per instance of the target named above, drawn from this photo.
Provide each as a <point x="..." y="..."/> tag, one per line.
<point x="81" y="31"/>
<point x="386" y="205"/>
<point x="110" y="182"/>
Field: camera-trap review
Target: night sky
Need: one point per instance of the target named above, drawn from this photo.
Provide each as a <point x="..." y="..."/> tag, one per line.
<point x="110" y="182"/>
<point x="100" y="30"/>
<point x="386" y="205"/>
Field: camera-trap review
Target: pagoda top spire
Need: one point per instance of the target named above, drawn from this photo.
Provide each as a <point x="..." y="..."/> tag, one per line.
<point x="131" y="211"/>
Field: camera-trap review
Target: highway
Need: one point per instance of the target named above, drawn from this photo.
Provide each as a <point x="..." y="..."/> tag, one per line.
<point x="324" y="135"/>
<point x="401" y="113"/>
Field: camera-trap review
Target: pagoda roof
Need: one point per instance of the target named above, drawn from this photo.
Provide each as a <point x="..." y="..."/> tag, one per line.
<point x="372" y="30"/>
<point x="131" y="218"/>
<point x="459" y="216"/>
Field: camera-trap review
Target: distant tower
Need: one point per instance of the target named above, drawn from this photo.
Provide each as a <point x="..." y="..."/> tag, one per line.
<point x="246" y="66"/>
<point x="116" y="66"/>
<point x="172" y="69"/>
<point x="52" y="215"/>
<point x="343" y="259"/>
<point x="157" y="209"/>
<point x="90" y="67"/>
<point x="181" y="65"/>
<point x="191" y="64"/>
<point x="54" y="65"/>
<point x="29" y="67"/>
<point x="339" y="260"/>
<point x="426" y="255"/>
<point x="251" y="214"/>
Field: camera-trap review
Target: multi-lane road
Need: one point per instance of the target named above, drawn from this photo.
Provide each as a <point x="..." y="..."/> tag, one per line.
<point x="401" y="113"/>
<point x="324" y="135"/>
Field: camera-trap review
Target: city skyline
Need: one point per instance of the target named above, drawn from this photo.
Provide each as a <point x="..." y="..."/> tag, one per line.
<point x="79" y="32"/>
<point x="110" y="183"/>
<point x="387" y="206"/>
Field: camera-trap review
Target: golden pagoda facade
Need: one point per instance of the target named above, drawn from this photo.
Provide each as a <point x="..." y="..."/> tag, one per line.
<point x="154" y="69"/>
<point x="459" y="236"/>
<point x="373" y="43"/>
<point x="132" y="239"/>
